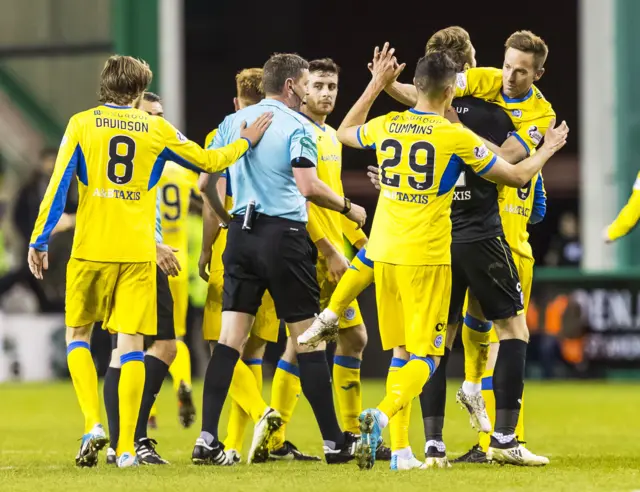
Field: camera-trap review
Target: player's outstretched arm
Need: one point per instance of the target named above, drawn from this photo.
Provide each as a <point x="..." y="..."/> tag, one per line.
<point x="384" y="71"/>
<point x="406" y="94"/>
<point x="189" y="154"/>
<point x="627" y="218"/>
<point x="518" y="176"/>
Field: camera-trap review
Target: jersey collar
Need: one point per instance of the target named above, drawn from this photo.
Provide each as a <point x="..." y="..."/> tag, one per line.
<point x="116" y="107"/>
<point x="415" y="111"/>
<point x="322" y="127"/>
<point x="508" y="99"/>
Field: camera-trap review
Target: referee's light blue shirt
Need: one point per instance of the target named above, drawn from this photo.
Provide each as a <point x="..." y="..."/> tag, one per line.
<point x="265" y="174"/>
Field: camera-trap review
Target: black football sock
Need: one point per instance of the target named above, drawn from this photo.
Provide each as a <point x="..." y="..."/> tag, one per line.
<point x="433" y="400"/>
<point x="111" y="404"/>
<point x="155" y="372"/>
<point x="217" y="381"/>
<point x="508" y="385"/>
<point x="315" y="380"/>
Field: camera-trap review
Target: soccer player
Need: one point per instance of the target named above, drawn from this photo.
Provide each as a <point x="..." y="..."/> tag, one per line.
<point x="524" y="57"/>
<point x="161" y="353"/>
<point x="268" y="247"/>
<point x="627" y="218"/>
<point x="118" y="153"/>
<point x="421" y="156"/>
<point x="176" y="186"/>
<point x="218" y="201"/>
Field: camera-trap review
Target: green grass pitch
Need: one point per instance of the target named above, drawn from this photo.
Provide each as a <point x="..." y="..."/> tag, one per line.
<point x="589" y="431"/>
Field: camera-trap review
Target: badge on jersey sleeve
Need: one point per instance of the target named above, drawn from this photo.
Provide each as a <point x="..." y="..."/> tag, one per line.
<point x="180" y="136"/>
<point x="481" y="152"/>
<point x="534" y="134"/>
<point x="461" y="80"/>
<point x="636" y="185"/>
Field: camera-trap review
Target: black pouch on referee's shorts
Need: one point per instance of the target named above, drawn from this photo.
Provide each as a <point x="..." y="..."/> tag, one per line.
<point x="249" y="216"/>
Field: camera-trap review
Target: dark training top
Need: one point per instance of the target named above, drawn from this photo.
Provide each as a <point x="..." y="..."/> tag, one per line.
<point x="475" y="214"/>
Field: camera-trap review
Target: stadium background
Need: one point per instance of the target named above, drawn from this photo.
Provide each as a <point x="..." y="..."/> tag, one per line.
<point x="585" y="318"/>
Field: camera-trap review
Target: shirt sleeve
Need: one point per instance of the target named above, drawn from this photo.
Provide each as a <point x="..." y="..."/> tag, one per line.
<point x="313" y="225"/>
<point x="303" y="148"/>
<point x="478" y="82"/>
<point x="158" y="216"/>
<point x="54" y="200"/>
<point x="368" y="132"/>
<point x="351" y="232"/>
<point x="474" y="153"/>
<point x="628" y="216"/>
<point x="531" y="133"/>
<point x="186" y="153"/>
<point x="539" y="208"/>
<point x="209" y="138"/>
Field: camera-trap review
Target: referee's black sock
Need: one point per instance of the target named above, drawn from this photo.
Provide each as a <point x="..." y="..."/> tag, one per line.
<point x="315" y="380"/>
<point x="155" y="372"/>
<point x="216" y="386"/>
<point x="433" y="400"/>
<point x="508" y="385"/>
<point x="111" y="404"/>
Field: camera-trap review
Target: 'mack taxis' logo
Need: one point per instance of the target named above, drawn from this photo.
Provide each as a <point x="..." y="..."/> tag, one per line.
<point x="349" y="313"/>
<point x="461" y="80"/>
<point x="481" y="152"/>
<point x="516" y="113"/>
<point x="181" y="137"/>
<point x="535" y="134"/>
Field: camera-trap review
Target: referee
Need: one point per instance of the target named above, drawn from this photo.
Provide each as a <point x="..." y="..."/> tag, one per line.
<point x="268" y="247"/>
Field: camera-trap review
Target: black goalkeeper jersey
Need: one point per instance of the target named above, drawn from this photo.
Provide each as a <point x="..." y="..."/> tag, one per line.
<point x="474" y="213"/>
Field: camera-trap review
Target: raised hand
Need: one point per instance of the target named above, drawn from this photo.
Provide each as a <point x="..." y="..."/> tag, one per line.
<point x="255" y="132"/>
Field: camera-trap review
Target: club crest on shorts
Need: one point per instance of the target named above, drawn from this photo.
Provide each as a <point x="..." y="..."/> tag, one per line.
<point x="438" y="341"/>
<point x="349" y="313"/>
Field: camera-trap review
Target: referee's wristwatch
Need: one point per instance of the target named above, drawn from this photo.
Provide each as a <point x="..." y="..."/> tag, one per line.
<point x="347" y="206"/>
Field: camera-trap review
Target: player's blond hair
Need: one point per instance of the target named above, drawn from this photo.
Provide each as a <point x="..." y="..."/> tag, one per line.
<point x="123" y="79"/>
<point x="249" y="86"/>
<point x="528" y="42"/>
<point x="455" y="42"/>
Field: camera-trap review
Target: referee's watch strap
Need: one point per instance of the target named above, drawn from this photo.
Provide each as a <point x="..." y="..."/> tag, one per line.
<point x="347" y="206"/>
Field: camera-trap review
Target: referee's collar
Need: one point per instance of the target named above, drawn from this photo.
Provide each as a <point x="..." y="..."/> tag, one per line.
<point x="274" y="102"/>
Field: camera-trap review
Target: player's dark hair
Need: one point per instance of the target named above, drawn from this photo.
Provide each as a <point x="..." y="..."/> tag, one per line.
<point x="152" y="97"/>
<point x="324" y="65"/>
<point x="528" y="42"/>
<point x="279" y="68"/>
<point x="434" y="73"/>
<point x="123" y="79"/>
<point x="249" y="86"/>
<point x="454" y="41"/>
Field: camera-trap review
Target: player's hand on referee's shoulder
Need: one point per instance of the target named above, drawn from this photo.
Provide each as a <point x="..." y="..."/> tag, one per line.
<point x="556" y="136"/>
<point x="167" y="260"/>
<point x="357" y="214"/>
<point x="254" y="132"/>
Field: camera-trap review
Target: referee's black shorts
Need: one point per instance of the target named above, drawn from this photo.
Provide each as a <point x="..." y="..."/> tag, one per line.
<point x="278" y="255"/>
<point x="166" y="329"/>
<point x="487" y="269"/>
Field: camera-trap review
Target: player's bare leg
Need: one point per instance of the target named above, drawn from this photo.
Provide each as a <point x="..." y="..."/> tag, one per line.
<point x="508" y="386"/>
<point x="85" y="382"/>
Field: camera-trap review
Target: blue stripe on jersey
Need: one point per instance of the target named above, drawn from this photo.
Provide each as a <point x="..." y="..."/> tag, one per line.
<point x="57" y="204"/>
<point x="168" y="155"/>
<point x="521" y="140"/>
<point x="488" y="166"/>
<point x="82" y="167"/>
<point x="508" y="99"/>
<point x="450" y="175"/>
<point x="360" y="140"/>
<point x="539" y="209"/>
<point x="362" y="256"/>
